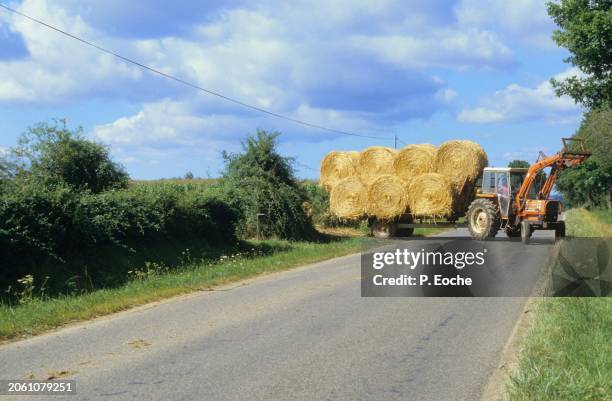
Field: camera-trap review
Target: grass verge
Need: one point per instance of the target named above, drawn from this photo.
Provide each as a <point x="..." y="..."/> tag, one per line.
<point x="566" y="353"/>
<point x="35" y="316"/>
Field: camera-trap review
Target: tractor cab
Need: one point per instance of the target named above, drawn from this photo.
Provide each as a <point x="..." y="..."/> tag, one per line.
<point x="502" y="184"/>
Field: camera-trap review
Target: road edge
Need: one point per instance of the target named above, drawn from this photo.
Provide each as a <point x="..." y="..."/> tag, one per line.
<point x="76" y="324"/>
<point x="495" y="388"/>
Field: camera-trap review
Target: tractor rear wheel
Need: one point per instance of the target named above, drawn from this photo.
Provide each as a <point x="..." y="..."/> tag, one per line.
<point x="383" y="229"/>
<point x="483" y="219"/>
<point x="526" y="231"/>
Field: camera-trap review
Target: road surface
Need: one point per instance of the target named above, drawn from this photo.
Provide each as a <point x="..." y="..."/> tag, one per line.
<point x="303" y="334"/>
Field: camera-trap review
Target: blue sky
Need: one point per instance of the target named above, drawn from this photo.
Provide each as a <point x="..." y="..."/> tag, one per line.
<point x="426" y="71"/>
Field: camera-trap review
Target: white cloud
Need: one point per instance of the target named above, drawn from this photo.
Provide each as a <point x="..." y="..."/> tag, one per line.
<point x="525" y="20"/>
<point x="257" y="54"/>
<point x="446" y="95"/>
<point x="183" y="125"/>
<point x="167" y="121"/>
<point x="58" y="67"/>
<point x="519" y="103"/>
<point x="448" y="48"/>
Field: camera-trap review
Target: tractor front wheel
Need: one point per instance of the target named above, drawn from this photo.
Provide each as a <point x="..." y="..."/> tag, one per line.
<point x="483" y="219"/>
<point x="513" y="231"/>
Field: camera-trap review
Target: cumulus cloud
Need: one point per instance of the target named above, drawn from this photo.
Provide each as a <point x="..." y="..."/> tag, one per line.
<point x="147" y="19"/>
<point x="519" y="103"/>
<point x="170" y="122"/>
<point x="449" y="48"/>
<point x="255" y="53"/>
<point x="186" y="124"/>
<point x="525" y="20"/>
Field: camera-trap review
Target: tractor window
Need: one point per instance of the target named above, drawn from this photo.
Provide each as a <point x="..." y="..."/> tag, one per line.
<point x="516" y="180"/>
<point x="502" y="184"/>
<point x="488" y="182"/>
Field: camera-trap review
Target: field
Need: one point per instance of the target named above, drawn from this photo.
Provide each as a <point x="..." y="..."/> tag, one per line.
<point x="566" y="353"/>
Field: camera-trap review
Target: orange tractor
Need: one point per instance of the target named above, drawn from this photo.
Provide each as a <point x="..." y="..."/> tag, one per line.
<point x="517" y="199"/>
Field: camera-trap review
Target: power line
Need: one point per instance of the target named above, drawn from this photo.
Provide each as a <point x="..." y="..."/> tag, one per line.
<point x="182" y="81"/>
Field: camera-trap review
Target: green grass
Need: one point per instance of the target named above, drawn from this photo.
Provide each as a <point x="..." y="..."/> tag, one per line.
<point x="35" y="315"/>
<point x="585" y="223"/>
<point x="604" y="215"/>
<point x="567" y="351"/>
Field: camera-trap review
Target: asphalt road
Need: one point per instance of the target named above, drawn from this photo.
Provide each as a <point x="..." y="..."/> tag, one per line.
<point x="303" y="334"/>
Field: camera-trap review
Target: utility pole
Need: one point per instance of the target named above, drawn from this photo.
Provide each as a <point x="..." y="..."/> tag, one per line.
<point x="395" y="140"/>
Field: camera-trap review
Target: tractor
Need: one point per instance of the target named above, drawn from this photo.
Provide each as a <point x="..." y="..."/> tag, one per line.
<point x="517" y="200"/>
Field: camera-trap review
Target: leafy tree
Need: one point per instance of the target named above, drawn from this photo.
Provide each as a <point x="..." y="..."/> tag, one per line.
<point x="261" y="181"/>
<point x="586" y="31"/>
<point x="519" y="164"/>
<point x="189" y="175"/>
<point x="586" y="185"/>
<point x="590" y="184"/>
<point x="54" y="154"/>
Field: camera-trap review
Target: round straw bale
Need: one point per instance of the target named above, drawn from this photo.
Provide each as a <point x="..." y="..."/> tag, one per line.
<point x="347" y="198"/>
<point x="461" y="161"/>
<point x="431" y="195"/>
<point x="337" y="165"/>
<point x="386" y="197"/>
<point x="414" y="160"/>
<point x="374" y="162"/>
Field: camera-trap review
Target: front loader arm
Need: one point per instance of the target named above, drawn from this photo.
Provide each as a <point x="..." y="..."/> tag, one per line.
<point x="564" y="159"/>
<point x="533" y="171"/>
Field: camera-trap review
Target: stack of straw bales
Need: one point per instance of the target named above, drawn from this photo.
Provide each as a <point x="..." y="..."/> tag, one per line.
<point x="421" y="179"/>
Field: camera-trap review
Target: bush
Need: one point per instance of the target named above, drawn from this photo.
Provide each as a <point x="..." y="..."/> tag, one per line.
<point x="54" y="154"/>
<point x="260" y="181"/>
<point x="46" y="229"/>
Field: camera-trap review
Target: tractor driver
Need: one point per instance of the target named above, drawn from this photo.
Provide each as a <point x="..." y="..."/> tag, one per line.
<point x="502" y="186"/>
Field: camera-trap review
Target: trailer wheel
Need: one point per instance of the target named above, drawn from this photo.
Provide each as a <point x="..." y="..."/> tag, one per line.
<point x="483" y="219"/>
<point x="404" y="232"/>
<point x="526" y="231"/>
<point x="383" y="229"/>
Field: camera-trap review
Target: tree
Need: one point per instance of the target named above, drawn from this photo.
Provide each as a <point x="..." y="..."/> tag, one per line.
<point x="262" y="184"/>
<point x="519" y="164"/>
<point x="55" y="154"/>
<point x="586" y="31"/>
<point x="189" y="175"/>
<point x="590" y="184"/>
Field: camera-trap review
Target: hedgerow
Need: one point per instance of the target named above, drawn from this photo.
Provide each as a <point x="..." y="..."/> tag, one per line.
<point x="42" y="228"/>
